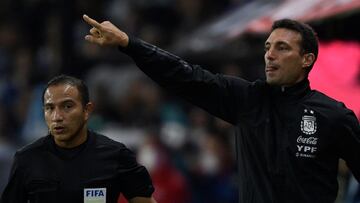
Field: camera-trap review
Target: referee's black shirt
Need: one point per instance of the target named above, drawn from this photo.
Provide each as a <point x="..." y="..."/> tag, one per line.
<point x="45" y="173"/>
<point x="289" y="140"/>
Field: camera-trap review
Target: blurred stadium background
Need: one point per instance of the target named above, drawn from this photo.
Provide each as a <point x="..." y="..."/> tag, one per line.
<point x="189" y="154"/>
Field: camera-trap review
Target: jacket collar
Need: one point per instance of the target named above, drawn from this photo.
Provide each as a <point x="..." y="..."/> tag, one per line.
<point x="295" y="92"/>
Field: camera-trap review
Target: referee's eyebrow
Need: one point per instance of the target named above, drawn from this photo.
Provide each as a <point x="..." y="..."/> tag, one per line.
<point x="67" y="100"/>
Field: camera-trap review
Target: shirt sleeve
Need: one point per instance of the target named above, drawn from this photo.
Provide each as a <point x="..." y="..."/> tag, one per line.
<point x="221" y="95"/>
<point x="350" y="143"/>
<point x="14" y="191"/>
<point x="134" y="178"/>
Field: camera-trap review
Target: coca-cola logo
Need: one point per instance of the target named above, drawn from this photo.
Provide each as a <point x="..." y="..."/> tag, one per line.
<point x="307" y="140"/>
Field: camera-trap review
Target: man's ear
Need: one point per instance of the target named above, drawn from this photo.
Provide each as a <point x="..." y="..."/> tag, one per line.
<point x="308" y="60"/>
<point x="88" y="109"/>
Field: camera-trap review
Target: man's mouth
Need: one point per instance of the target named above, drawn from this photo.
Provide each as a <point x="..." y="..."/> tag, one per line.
<point x="59" y="129"/>
<point x="271" y="68"/>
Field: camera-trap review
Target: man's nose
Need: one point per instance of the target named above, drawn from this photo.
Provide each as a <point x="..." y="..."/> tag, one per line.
<point x="269" y="55"/>
<point x="57" y="115"/>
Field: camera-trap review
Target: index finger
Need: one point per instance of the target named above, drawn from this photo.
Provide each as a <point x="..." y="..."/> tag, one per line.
<point x="92" y="22"/>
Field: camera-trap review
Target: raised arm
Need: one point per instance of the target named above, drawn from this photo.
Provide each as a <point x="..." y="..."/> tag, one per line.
<point x="222" y="96"/>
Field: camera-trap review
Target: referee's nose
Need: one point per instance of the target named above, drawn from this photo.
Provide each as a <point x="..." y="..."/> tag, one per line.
<point x="57" y="115"/>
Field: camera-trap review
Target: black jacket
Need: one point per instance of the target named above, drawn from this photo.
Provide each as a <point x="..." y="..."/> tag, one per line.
<point x="289" y="140"/>
<point x="44" y="173"/>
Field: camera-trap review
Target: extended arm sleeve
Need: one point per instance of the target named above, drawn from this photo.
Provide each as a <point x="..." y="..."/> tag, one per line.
<point x="350" y="144"/>
<point x="223" y="96"/>
<point x="14" y="191"/>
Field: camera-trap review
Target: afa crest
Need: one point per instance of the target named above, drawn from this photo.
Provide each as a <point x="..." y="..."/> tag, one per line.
<point x="308" y="123"/>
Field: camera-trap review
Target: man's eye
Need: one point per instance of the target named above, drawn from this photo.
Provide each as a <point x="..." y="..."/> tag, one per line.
<point x="68" y="106"/>
<point x="48" y="108"/>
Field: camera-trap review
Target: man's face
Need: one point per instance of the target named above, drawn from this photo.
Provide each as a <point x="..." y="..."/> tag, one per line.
<point x="65" y="115"/>
<point x="284" y="61"/>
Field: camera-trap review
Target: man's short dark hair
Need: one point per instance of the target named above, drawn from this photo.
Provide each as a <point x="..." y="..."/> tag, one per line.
<point x="309" y="41"/>
<point x="75" y="82"/>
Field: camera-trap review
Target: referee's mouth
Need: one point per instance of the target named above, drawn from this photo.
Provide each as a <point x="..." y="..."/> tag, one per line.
<point x="58" y="129"/>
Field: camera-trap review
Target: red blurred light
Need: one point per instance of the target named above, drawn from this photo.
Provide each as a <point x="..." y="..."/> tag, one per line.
<point x="337" y="72"/>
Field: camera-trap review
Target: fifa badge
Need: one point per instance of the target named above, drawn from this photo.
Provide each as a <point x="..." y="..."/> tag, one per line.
<point x="95" y="195"/>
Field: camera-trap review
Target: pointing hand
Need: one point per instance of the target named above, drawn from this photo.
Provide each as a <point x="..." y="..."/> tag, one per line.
<point x="105" y="33"/>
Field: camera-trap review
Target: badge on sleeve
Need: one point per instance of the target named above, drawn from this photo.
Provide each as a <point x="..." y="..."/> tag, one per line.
<point x="94" y="195"/>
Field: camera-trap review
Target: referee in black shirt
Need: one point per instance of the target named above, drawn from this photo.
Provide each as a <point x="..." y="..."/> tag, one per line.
<point x="73" y="164"/>
<point x="289" y="138"/>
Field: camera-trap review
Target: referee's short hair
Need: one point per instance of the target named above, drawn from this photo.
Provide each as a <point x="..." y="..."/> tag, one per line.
<point x="70" y="80"/>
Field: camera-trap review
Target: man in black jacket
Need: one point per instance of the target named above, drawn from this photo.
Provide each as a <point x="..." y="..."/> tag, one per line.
<point x="289" y="138"/>
<point x="73" y="164"/>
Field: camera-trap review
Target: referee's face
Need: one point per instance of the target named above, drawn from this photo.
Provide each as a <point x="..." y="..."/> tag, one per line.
<point x="65" y="115"/>
<point x="285" y="65"/>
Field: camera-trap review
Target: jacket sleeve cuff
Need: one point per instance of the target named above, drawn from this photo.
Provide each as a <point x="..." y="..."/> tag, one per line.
<point x="134" y="46"/>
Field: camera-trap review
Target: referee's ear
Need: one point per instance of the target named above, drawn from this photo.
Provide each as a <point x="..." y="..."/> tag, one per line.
<point x="88" y="109"/>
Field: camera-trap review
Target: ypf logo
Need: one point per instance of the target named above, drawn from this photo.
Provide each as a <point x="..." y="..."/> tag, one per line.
<point x="95" y="195"/>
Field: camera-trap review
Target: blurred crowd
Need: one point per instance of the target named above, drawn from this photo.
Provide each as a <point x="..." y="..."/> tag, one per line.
<point x="189" y="153"/>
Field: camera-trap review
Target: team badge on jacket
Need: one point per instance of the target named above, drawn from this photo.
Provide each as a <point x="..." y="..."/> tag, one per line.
<point x="308" y="122"/>
<point x="307" y="145"/>
<point x="95" y="195"/>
